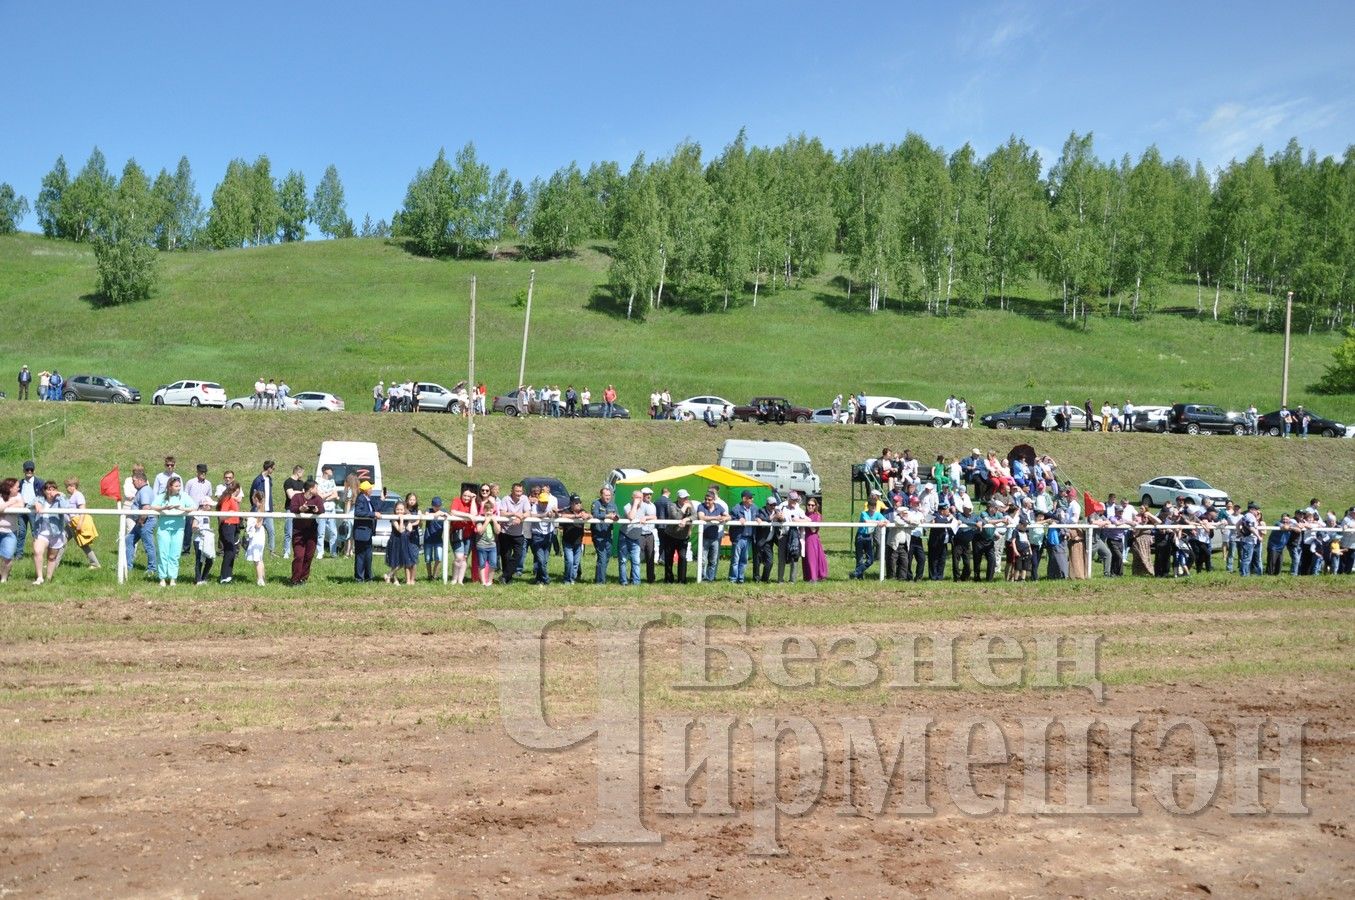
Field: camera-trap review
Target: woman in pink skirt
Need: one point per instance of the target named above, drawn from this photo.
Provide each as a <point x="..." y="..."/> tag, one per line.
<point x="815" y="561"/>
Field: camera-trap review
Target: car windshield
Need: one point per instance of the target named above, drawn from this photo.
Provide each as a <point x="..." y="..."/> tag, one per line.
<point x="1195" y="484"/>
<point x="341" y="470"/>
<point x="113" y="382"/>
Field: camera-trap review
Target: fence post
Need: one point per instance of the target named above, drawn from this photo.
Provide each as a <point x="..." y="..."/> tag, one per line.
<point x="446" y="550"/>
<point x="122" y="547"/>
<point x="1087" y="539"/>
<point x="700" y="551"/>
<point x="881" y="555"/>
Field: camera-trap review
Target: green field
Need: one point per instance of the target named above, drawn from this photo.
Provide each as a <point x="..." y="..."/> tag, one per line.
<point x="338" y="315"/>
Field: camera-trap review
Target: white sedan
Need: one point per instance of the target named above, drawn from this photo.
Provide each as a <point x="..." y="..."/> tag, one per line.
<point x="909" y="412"/>
<point x="190" y="393"/>
<point x="825" y="417"/>
<point x="695" y="407"/>
<point x="1169" y="487"/>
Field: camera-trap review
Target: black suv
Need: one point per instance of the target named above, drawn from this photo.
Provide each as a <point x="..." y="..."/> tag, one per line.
<point x="1193" y="418"/>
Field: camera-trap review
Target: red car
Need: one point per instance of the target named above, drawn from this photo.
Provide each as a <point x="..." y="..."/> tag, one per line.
<point x="772" y="409"/>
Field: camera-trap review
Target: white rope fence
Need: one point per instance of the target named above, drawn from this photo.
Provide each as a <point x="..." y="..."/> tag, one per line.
<point x="881" y="527"/>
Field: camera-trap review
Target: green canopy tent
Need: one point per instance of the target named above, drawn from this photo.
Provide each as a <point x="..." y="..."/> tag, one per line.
<point x="697" y="480"/>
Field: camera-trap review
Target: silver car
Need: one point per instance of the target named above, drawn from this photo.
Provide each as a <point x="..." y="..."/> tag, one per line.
<point x="436" y="398"/>
<point x="100" y="389"/>
<point x="909" y="412"/>
<point x="317" y="401"/>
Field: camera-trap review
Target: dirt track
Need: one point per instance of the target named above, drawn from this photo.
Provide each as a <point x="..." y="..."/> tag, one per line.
<point x="376" y="766"/>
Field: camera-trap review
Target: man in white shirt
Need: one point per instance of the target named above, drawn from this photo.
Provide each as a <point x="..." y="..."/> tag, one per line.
<point x="790" y="542"/>
<point x="258" y="393"/>
<point x="328" y="491"/>
<point x="585" y="397"/>
<point x="906" y="468"/>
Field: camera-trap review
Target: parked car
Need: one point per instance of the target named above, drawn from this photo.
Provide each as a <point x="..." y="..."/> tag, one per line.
<point x="1193" y="418"/>
<point x="533" y="484"/>
<point x="317" y="401"/>
<point x="825" y="417"/>
<point x="1270" y="424"/>
<point x="594" y="411"/>
<point x="99" y="389"/>
<point x="1030" y="415"/>
<point x="190" y="393"/>
<point x="385" y="504"/>
<point x="247" y="402"/>
<point x="436" y="398"/>
<point x="772" y="409"/>
<point x="695" y="407"/>
<point x="1150" y="418"/>
<point x="1169" y="487"/>
<point x="909" y="412"/>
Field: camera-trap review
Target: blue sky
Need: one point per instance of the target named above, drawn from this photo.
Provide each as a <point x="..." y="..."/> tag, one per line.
<point x="377" y="88"/>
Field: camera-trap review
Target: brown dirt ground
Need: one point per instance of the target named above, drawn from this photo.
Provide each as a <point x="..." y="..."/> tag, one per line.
<point x="375" y="766"/>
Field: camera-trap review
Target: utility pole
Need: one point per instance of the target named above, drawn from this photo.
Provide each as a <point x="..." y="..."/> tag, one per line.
<point x="1288" y="319"/>
<point x="471" y="393"/>
<point x="526" y="326"/>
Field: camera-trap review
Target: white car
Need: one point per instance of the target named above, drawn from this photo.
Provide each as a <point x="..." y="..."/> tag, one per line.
<point x="190" y="393"/>
<point x="695" y="407"/>
<point x="909" y="412"/>
<point x="317" y="401"/>
<point x="1169" y="487"/>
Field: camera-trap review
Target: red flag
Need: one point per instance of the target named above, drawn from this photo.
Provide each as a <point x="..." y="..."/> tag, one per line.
<point x="111" y="485"/>
<point x="1090" y="505"/>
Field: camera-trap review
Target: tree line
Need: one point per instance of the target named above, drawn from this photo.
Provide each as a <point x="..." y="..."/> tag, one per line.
<point x="917" y="224"/>
<point x="914" y="224"/>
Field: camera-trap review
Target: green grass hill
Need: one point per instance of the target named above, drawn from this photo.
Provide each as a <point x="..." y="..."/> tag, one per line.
<point x="338" y="315"/>
<point x="426" y="452"/>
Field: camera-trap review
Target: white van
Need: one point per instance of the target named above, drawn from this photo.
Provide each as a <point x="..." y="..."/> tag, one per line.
<point x="361" y="457"/>
<point x="783" y="465"/>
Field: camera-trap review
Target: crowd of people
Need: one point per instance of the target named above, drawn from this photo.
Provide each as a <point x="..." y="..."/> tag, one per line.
<point x="986" y="516"/>
<point x="271" y="394"/>
<point x="49" y="387"/>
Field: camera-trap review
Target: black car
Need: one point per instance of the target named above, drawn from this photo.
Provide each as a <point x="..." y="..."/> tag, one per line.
<point x="1194" y="418"/>
<point x="1032" y="415"/>
<point x="533" y="484"/>
<point x="1270" y="424"/>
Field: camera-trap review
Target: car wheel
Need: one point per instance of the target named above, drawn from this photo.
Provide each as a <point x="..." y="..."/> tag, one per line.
<point x="1096" y="426"/>
<point x="887" y="420"/>
<point x="237" y="406"/>
<point x="1239" y="430"/>
<point x="1000" y="425"/>
<point x="1162" y="428"/>
<point x="1146" y="500"/>
<point x="159" y="401"/>
<point x="68" y="396"/>
<point x="193" y="401"/>
<point x="801" y="420"/>
<point x="1328" y="432"/>
<point x="1273" y="432"/>
<point x="1192" y="428"/>
<point x="510" y="410"/>
<point x="938" y="422"/>
<point x="118" y="398"/>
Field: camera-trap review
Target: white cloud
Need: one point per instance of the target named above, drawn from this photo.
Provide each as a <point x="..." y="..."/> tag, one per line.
<point x="1235" y="128"/>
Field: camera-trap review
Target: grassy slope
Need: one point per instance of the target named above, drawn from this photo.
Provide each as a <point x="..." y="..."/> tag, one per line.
<point x="425" y="452"/>
<point x="339" y="315"/>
